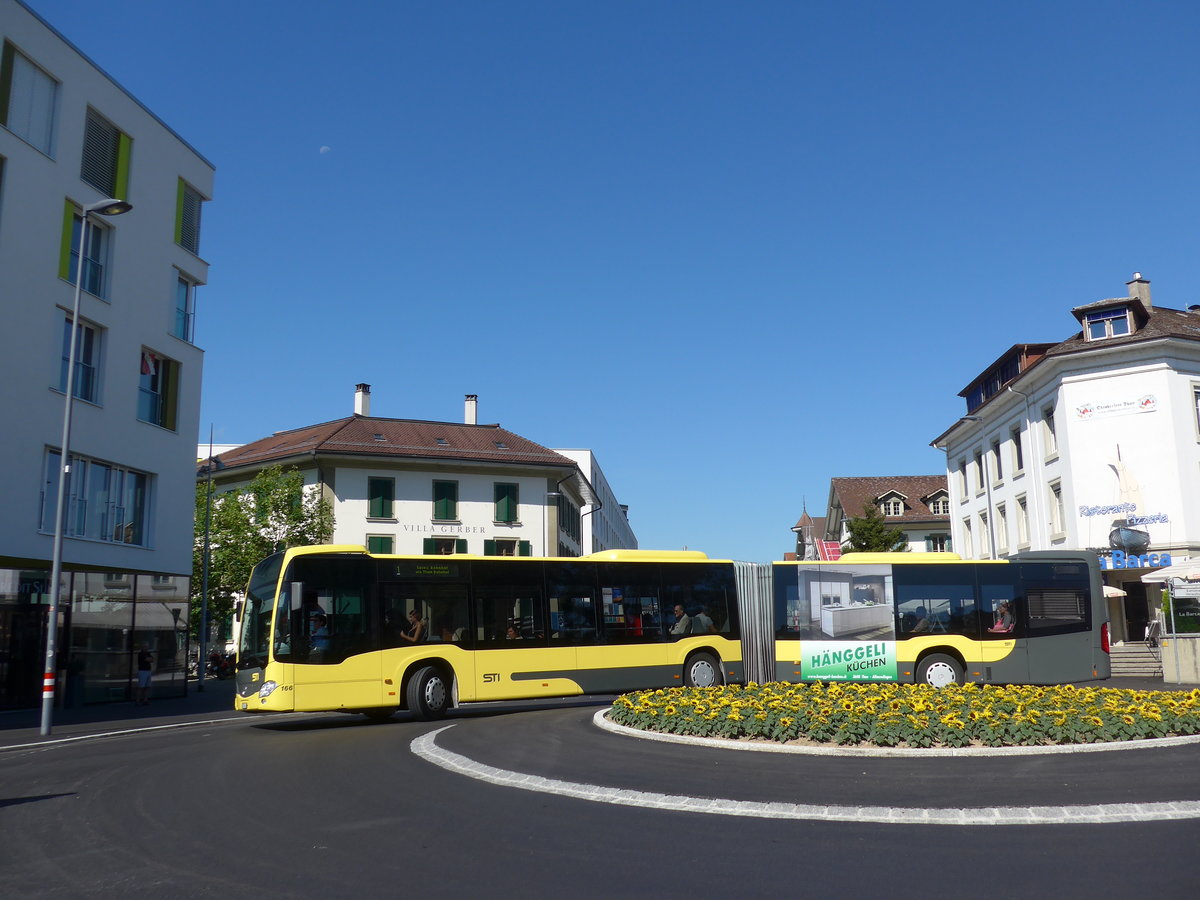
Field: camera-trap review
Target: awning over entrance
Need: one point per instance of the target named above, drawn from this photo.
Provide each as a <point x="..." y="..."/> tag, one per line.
<point x="1189" y="569"/>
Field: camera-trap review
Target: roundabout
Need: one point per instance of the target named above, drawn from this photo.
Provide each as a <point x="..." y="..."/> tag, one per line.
<point x="428" y="748"/>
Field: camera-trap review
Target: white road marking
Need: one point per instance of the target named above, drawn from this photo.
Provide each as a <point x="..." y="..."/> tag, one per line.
<point x="53" y="742"/>
<point x="427" y="748"/>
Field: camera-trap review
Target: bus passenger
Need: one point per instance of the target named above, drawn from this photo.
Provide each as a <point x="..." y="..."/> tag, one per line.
<point x="920" y="621"/>
<point x="416" y="628"/>
<point x="319" y="640"/>
<point x="702" y="622"/>
<point x="513" y="634"/>
<point x="1004" y="618"/>
<point x="683" y="622"/>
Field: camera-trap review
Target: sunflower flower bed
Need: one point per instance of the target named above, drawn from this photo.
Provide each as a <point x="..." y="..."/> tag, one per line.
<point x="911" y="715"/>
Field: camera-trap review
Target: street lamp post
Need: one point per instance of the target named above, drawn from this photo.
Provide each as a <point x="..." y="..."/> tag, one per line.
<point x="108" y="207"/>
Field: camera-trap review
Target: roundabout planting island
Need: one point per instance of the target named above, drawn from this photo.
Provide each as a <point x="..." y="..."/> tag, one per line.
<point x="912" y="715"/>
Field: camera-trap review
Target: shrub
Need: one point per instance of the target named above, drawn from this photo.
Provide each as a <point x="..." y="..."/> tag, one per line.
<point x="891" y="715"/>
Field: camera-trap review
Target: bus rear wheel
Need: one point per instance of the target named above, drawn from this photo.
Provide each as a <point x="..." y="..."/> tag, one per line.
<point x="702" y="670"/>
<point x="428" y="693"/>
<point x="939" y="670"/>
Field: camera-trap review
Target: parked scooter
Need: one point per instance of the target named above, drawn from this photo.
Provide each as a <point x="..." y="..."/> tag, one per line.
<point x="219" y="666"/>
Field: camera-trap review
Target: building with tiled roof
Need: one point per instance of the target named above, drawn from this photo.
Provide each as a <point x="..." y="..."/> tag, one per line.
<point x="917" y="504"/>
<point x="1089" y="443"/>
<point x="411" y="486"/>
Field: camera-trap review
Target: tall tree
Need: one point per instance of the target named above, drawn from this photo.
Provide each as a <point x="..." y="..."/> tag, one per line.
<point x="870" y="533"/>
<point x="272" y="512"/>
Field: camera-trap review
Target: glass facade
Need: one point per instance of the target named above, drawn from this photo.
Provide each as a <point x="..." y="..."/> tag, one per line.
<point x="105" y="618"/>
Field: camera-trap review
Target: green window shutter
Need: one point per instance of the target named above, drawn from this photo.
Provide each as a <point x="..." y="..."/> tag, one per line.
<point x="429" y="546"/>
<point x="64" y="250"/>
<point x="460" y="545"/>
<point x="169" y="393"/>
<point x="181" y="188"/>
<point x="6" y="76"/>
<point x="929" y="543"/>
<point x="124" y="146"/>
<point x="506" y="503"/>
<point x="524" y="548"/>
<point x="380" y="495"/>
<point x="379" y="544"/>
<point x="489" y="548"/>
<point x="445" y="500"/>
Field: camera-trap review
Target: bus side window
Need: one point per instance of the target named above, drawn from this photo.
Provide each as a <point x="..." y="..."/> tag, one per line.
<point x="571" y="596"/>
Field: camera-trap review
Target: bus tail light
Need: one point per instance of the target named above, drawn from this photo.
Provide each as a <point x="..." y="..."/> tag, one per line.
<point x="1104" y="637"/>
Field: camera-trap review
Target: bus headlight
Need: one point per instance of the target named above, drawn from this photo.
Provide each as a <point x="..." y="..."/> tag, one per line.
<point x="265" y="691"/>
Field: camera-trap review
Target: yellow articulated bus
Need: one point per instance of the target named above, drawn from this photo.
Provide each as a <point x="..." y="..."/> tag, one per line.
<point x="934" y="618"/>
<point x="338" y="628"/>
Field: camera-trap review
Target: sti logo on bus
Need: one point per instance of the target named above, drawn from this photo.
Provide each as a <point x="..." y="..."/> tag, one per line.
<point x="491" y="677"/>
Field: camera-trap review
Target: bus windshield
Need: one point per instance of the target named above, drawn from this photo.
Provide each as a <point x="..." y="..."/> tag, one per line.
<point x="256" y="616"/>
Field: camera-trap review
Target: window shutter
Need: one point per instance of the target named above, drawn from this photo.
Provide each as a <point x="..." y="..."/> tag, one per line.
<point x="429" y="546"/>
<point x="460" y="545"/>
<point x="169" y="392"/>
<point x="101" y="149"/>
<point x="489" y="548"/>
<point x="124" y="147"/>
<point x="187" y="217"/>
<point x="64" y="250"/>
<point x="929" y="543"/>
<point x="380" y="495"/>
<point x="524" y="548"/>
<point x="6" y="79"/>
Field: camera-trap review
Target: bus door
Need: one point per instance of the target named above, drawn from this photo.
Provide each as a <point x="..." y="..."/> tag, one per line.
<point x="515" y="655"/>
<point x="1057" y="615"/>
<point x="628" y="651"/>
<point x="1005" y="657"/>
<point x="334" y="632"/>
<point x="441" y="608"/>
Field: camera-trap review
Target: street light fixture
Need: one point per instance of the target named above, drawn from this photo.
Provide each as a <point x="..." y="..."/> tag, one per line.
<point x="109" y="207"/>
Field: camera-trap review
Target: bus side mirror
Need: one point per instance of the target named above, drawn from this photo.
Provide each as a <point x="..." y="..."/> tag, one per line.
<point x="297" y="596"/>
<point x="238" y="608"/>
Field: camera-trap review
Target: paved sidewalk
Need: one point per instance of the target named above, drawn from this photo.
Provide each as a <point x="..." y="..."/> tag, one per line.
<point x="23" y="726"/>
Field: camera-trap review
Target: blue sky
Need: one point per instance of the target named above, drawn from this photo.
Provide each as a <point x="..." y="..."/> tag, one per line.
<point x="736" y="249"/>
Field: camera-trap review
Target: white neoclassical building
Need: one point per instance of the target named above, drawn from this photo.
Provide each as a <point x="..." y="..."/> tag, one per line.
<point x="1089" y="443"/>
<point x="71" y="137"/>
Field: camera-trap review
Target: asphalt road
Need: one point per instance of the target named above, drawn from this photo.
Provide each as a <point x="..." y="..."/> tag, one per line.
<point x="332" y="805"/>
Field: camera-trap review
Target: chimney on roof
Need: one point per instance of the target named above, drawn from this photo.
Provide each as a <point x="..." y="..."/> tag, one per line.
<point x="470" y="410"/>
<point x="362" y="399"/>
<point x="1140" y="287"/>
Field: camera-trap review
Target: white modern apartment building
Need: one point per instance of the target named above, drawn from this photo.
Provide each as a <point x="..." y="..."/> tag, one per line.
<point x="1089" y="443"/>
<point x="604" y="525"/>
<point x="70" y="137"/>
<point x="409" y="486"/>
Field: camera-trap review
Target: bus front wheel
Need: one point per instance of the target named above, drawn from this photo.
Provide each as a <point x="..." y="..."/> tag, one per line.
<point x="939" y="670"/>
<point x="428" y="693"/>
<point x="702" y="670"/>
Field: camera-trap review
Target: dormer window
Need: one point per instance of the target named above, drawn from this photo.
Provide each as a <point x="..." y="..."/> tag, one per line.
<point x="1107" y="323"/>
<point x="892" y="507"/>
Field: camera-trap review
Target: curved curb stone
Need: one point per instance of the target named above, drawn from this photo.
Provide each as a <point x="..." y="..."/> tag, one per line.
<point x="601" y="720"/>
